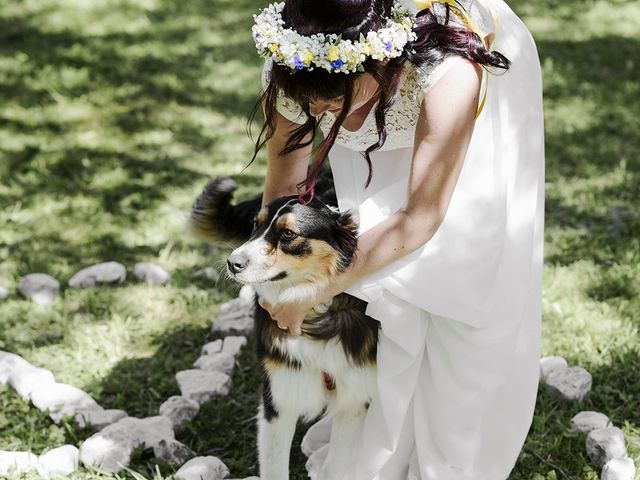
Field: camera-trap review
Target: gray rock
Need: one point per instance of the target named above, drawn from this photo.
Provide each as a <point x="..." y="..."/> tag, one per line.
<point x="98" y="419"/>
<point x="59" y="461"/>
<point x="110" y="449"/>
<point x="61" y="399"/>
<point x="151" y="273"/>
<point x="570" y="384"/>
<point x="17" y="462"/>
<point x="180" y="410"/>
<point x="235" y="318"/>
<point x="587" y="421"/>
<point x="217" y="362"/>
<point x="203" y="468"/>
<point x="233" y="344"/>
<point x="9" y="362"/>
<point x="4" y="293"/>
<point x="619" y="469"/>
<point x="605" y="444"/>
<point x="173" y="452"/>
<point x="208" y="272"/>
<point x="202" y="385"/>
<point x="211" y="347"/>
<point x="26" y="378"/>
<point x="551" y="364"/>
<point x="39" y="287"/>
<point x="248" y="478"/>
<point x="107" y="272"/>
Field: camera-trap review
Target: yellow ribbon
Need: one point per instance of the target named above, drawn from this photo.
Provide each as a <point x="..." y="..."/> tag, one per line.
<point x="471" y="25"/>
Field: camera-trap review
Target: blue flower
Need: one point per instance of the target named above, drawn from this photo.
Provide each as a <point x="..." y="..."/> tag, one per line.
<point x="388" y="46"/>
<point x="337" y="63"/>
<point x="298" y="63"/>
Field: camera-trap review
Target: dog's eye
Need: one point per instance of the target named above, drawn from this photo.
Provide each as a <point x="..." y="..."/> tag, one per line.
<point x="288" y="234"/>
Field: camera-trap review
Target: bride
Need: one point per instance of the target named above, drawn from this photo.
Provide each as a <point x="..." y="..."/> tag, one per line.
<point x="432" y="123"/>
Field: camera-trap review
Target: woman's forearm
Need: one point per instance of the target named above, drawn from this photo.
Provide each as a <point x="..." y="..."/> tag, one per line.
<point x="383" y="244"/>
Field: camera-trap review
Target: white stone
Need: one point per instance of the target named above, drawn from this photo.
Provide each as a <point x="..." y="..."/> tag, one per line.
<point x="569" y="384"/>
<point x="108" y="454"/>
<point x="203" y="468"/>
<point x="233" y="344"/>
<point x="619" y="469"/>
<point x="110" y="449"/>
<point x="59" y="461"/>
<point x="9" y="362"/>
<point x="39" y="287"/>
<point x="151" y="273"/>
<point x="4" y="293"/>
<point x="605" y="444"/>
<point x="179" y="409"/>
<point x="247" y="294"/>
<point x="551" y="364"/>
<point x="235" y="318"/>
<point x="107" y="272"/>
<point x="209" y="272"/>
<point x="202" y="385"/>
<point x="211" y="347"/>
<point x="216" y="362"/>
<point x="173" y="452"/>
<point x="588" y="420"/>
<point x="61" y="399"/>
<point x="98" y="419"/>
<point x="17" y="462"/>
<point x="26" y="378"/>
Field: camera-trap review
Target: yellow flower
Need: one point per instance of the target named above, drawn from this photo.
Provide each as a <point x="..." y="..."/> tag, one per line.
<point x="423" y="4"/>
<point x="366" y="49"/>
<point x="333" y="53"/>
<point x="307" y="57"/>
<point x="273" y="47"/>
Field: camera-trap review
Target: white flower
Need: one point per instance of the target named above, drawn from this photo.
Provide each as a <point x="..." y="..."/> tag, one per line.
<point x="289" y="48"/>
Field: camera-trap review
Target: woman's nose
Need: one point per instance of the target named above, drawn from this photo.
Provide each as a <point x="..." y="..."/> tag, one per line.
<point x="317" y="109"/>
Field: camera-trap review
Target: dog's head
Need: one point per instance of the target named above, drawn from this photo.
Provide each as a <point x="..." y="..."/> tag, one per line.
<point x="299" y="243"/>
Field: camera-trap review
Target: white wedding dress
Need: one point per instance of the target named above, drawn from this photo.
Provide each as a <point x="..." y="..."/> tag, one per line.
<point x="458" y="358"/>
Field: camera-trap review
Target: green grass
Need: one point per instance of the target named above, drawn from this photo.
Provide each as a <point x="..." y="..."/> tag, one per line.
<point x="114" y="113"/>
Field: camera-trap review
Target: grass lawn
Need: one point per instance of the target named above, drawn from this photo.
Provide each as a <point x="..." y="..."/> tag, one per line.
<point x="113" y="113"/>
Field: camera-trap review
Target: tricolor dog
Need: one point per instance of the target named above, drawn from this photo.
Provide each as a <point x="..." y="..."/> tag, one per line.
<point x="331" y="369"/>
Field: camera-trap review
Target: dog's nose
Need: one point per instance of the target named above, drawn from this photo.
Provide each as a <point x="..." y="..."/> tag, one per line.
<point x="237" y="262"/>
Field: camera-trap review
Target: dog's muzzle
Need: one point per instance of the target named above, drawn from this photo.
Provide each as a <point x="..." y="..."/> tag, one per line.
<point x="237" y="262"/>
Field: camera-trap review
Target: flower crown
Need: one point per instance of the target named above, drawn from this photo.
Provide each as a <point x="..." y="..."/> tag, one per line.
<point x="329" y="51"/>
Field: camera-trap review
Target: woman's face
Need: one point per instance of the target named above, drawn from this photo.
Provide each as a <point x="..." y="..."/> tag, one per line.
<point x="365" y="88"/>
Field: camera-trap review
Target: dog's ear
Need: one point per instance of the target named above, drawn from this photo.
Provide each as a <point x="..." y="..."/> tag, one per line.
<point x="346" y="238"/>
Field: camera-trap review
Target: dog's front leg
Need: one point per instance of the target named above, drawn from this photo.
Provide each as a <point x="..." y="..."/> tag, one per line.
<point x="346" y="427"/>
<point x="274" y="444"/>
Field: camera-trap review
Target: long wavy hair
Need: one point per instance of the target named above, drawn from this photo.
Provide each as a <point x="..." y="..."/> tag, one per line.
<point x="436" y="35"/>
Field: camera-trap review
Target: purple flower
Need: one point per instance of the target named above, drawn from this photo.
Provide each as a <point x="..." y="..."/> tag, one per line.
<point x="298" y="63"/>
<point x="388" y="46"/>
<point x="337" y="63"/>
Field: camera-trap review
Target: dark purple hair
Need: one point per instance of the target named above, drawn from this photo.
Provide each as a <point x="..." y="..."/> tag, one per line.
<point x="436" y="37"/>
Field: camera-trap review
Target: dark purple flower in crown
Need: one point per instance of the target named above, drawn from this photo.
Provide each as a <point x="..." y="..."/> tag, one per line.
<point x="298" y="63"/>
<point x="388" y="46"/>
<point x="337" y="64"/>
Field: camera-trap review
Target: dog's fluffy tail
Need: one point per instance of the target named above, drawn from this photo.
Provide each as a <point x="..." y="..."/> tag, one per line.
<point x="214" y="218"/>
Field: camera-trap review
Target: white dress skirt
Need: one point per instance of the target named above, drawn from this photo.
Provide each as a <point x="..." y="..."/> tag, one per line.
<point x="458" y="356"/>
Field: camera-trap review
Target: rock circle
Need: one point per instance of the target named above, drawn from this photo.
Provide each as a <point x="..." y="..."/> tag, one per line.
<point x="41" y="288"/>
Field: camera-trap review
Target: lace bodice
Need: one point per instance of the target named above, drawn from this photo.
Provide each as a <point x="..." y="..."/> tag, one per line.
<point x="401" y="118"/>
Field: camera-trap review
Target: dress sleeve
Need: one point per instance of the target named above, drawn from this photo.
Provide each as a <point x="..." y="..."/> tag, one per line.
<point x="287" y="107"/>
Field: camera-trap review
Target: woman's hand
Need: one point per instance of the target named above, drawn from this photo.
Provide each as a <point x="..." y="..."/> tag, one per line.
<point x="288" y="315"/>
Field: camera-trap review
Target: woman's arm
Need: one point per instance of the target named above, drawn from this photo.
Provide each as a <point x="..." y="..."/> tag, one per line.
<point x="443" y="134"/>
<point x="284" y="172"/>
